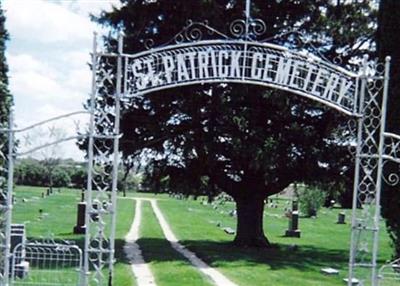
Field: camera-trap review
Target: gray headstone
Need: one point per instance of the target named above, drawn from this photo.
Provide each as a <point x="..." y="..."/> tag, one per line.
<point x="80" y="227"/>
<point x="341" y="218"/>
<point x="330" y="271"/>
<point x="293" y="230"/>
<point x="229" y="230"/>
<point x="18" y="237"/>
<point x="295" y="205"/>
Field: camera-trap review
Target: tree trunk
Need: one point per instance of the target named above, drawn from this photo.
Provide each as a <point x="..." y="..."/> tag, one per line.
<point x="249" y="228"/>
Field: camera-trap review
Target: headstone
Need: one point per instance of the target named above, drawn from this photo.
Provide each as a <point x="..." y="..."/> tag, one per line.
<point x="233" y="213"/>
<point x="80" y="227"/>
<point x="341" y="218"/>
<point x="18" y="237"/>
<point x="293" y="230"/>
<point x="295" y="205"/>
<point x="229" y="230"/>
<point x="330" y="271"/>
<point x="354" y="281"/>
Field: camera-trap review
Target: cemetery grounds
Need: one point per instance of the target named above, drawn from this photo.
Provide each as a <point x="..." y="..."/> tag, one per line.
<point x="199" y="227"/>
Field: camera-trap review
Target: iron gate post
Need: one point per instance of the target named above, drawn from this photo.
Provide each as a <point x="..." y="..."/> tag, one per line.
<point x="116" y="157"/>
<point x="88" y="193"/>
<point x="379" y="177"/>
<point x="9" y="204"/>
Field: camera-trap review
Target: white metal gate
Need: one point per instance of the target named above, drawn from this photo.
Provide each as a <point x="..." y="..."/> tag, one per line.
<point x="389" y="274"/>
<point x="46" y="263"/>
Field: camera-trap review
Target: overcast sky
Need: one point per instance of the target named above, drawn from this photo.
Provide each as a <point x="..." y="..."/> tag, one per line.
<point x="48" y="52"/>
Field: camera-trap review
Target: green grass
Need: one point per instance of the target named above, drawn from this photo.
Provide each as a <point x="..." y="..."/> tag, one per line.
<point x="323" y="242"/>
<point x="59" y="217"/>
<point x="167" y="265"/>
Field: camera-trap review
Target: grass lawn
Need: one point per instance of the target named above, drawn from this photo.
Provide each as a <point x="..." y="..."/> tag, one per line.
<point x="59" y="217"/>
<point x="167" y="265"/>
<point x="294" y="261"/>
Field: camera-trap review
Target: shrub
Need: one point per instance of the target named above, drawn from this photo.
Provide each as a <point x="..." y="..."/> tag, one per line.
<point x="311" y="199"/>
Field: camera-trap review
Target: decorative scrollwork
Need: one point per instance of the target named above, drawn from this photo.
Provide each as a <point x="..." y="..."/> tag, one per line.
<point x="392" y="179"/>
<point x="237" y="28"/>
<point x="338" y="60"/>
<point x="257" y="27"/>
<point x="197" y="31"/>
<point x="148" y="43"/>
<point x="192" y="32"/>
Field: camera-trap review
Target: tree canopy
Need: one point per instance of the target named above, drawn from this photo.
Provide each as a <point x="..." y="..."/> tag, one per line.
<point x="5" y="96"/>
<point x="388" y="44"/>
<point x="248" y="141"/>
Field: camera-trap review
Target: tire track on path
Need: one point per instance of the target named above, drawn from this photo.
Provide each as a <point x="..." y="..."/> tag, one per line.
<point x="141" y="270"/>
<point x="217" y="277"/>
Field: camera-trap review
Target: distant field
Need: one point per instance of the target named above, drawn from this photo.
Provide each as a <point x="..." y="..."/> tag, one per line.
<point x="293" y="261"/>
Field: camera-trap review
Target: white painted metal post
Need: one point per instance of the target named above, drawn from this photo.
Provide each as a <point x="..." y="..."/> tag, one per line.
<point x="88" y="193"/>
<point x="116" y="156"/>
<point x="248" y="5"/>
<point x="354" y="231"/>
<point x="9" y="207"/>
<point x="379" y="177"/>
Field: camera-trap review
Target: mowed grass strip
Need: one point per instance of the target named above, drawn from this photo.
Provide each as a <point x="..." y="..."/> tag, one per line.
<point x="123" y="273"/>
<point x="293" y="261"/>
<point x="59" y="214"/>
<point x="168" y="266"/>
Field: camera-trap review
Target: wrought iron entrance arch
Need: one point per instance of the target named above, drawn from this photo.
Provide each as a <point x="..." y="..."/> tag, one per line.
<point x="238" y="61"/>
<point x="190" y="59"/>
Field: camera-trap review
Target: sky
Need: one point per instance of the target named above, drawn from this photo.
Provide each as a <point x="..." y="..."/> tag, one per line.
<point x="48" y="55"/>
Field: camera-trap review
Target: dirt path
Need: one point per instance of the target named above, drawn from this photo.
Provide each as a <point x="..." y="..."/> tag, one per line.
<point x="139" y="267"/>
<point x="217" y="277"/>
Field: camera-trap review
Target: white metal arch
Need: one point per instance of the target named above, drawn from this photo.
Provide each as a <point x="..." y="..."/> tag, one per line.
<point x="238" y="61"/>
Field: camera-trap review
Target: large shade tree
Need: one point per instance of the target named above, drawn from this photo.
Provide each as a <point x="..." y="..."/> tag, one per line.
<point x="248" y="141"/>
<point x="5" y="96"/>
<point x="388" y="44"/>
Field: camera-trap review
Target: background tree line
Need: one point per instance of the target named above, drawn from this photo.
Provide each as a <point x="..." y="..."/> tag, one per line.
<point x="66" y="173"/>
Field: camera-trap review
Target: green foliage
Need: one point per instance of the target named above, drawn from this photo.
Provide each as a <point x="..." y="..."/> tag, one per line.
<point x="32" y="172"/>
<point x="129" y="182"/>
<point x="5" y="96"/>
<point x="311" y="199"/>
